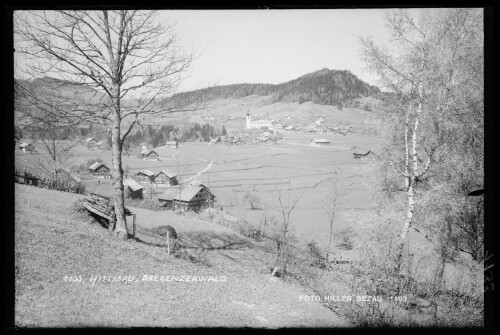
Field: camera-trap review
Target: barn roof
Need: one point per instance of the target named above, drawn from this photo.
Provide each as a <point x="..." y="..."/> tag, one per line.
<point x="147" y="152"/>
<point x="97" y="165"/>
<point x="146" y="172"/>
<point x="186" y="194"/>
<point x="24" y="145"/>
<point x="320" y="140"/>
<point x="167" y="173"/>
<point x="135" y="186"/>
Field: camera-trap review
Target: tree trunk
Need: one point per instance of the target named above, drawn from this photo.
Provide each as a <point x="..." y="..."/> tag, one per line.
<point x="409" y="220"/>
<point x="121" y="223"/>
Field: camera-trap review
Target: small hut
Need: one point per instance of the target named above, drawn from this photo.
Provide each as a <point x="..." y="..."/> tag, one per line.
<point x="99" y="170"/>
<point x="133" y="189"/>
<point x="166" y="177"/>
<point x="145" y="176"/>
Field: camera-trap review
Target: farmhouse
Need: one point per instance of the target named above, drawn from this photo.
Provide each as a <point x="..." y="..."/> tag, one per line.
<point x="236" y="141"/>
<point x="189" y="198"/>
<point x="320" y="141"/>
<point x="148" y="154"/>
<point x="99" y="170"/>
<point x="172" y="144"/>
<point x="27" y="147"/>
<point x="145" y="176"/>
<point x="166" y="177"/>
<point x="258" y="124"/>
<point x="133" y="189"/>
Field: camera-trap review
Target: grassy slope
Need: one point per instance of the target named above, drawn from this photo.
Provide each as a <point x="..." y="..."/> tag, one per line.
<point x="53" y="242"/>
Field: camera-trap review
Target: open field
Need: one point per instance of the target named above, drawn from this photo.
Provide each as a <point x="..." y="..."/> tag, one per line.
<point x="54" y="242"/>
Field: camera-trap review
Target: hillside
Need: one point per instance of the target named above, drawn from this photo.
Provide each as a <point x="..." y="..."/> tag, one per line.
<point x="325" y="87"/>
<point x="53" y="241"/>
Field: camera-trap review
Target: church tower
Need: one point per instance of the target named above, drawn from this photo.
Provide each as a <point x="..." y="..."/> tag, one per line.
<point x="249" y="120"/>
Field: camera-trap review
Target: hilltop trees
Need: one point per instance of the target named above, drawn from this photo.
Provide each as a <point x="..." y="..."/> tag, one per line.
<point x="435" y="110"/>
<point x="126" y="57"/>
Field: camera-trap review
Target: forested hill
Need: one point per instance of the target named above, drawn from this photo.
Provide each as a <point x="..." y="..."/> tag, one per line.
<point x="325" y="87"/>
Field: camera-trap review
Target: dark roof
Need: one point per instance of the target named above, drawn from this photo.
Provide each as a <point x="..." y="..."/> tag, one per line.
<point x="146" y="172"/>
<point x="135" y="186"/>
<point x="147" y="152"/>
<point x="97" y="165"/>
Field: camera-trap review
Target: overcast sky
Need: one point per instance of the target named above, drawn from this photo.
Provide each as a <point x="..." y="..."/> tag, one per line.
<point x="274" y="46"/>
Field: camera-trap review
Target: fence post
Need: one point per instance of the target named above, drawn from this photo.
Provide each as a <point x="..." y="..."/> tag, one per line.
<point x="168" y="243"/>
<point x="133" y="226"/>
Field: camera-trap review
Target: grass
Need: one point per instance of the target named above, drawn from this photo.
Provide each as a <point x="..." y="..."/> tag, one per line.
<point x="53" y="241"/>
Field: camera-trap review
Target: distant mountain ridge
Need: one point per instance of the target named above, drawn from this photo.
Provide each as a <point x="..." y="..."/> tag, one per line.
<point x="324" y="87"/>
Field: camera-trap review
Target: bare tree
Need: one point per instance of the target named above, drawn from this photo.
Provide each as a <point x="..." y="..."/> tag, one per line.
<point x="281" y="232"/>
<point x="128" y="58"/>
<point x="330" y="206"/>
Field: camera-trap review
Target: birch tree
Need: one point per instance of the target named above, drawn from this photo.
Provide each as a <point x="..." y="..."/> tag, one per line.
<point x="130" y="60"/>
<point x="419" y="72"/>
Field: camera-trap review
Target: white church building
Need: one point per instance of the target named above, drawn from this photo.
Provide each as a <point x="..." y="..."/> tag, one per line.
<point x="258" y="124"/>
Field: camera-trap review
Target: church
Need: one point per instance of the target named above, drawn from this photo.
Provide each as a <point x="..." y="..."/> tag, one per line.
<point x="258" y="124"/>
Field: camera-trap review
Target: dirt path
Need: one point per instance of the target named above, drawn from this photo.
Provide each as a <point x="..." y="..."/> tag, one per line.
<point x="199" y="173"/>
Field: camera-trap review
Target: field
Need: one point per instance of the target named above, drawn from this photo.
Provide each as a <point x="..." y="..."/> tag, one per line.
<point x="230" y="171"/>
<point x="58" y="252"/>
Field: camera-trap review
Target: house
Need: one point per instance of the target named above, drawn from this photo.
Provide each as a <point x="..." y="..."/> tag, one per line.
<point x="320" y="141"/>
<point x="149" y="154"/>
<point x="133" y="189"/>
<point x="166" y="177"/>
<point x="27" y="147"/>
<point x="172" y="144"/>
<point x="145" y="176"/>
<point x="188" y="198"/>
<point x="100" y="170"/>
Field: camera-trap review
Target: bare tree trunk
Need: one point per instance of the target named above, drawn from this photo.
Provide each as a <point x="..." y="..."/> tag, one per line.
<point x="121" y="223"/>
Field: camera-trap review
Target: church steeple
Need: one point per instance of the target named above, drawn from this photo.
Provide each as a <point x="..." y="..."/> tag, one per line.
<point x="249" y="120"/>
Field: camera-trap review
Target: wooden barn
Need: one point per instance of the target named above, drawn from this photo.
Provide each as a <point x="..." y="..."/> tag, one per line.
<point x="27" y="147"/>
<point x="100" y="170"/>
<point x="145" y="176"/>
<point x="190" y="198"/>
<point x="320" y="141"/>
<point x="166" y="177"/>
<point x="149" y="154"/>
<point x="133" y="189"/>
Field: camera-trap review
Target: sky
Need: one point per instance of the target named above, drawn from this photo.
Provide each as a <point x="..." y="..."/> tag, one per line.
<point x="270" y="46"/>
<point x="273" y="46"/>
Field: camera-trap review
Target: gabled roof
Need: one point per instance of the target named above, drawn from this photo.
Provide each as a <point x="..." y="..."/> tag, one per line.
<point x="146" y="172"/>
<point x="24" y="145"/>
<point x="135" y="186"/>
<point x="147" y="152"/>
<point x="97" y="165"/>
<point x="167" y="173"/>
<point x="187" y="194"/>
